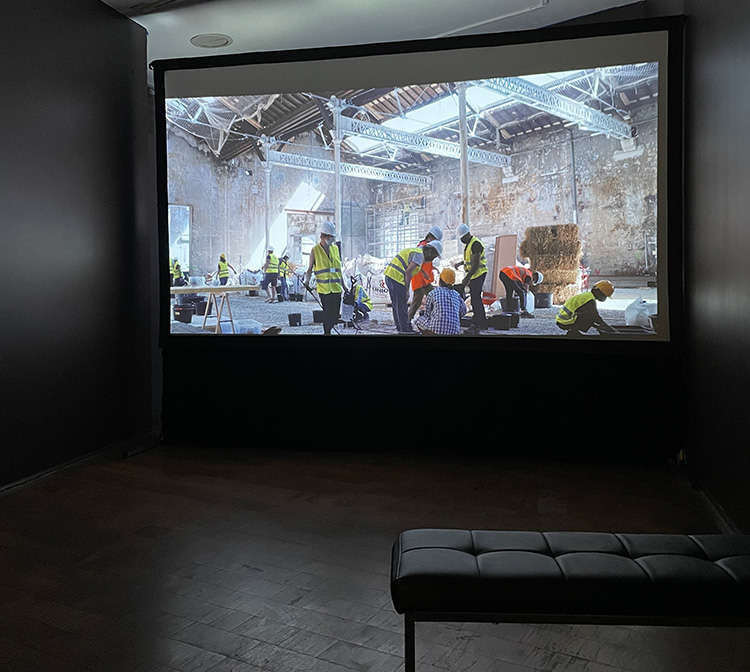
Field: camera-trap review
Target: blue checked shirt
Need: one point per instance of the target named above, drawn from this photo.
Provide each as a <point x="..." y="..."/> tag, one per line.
<point x="443" y="310"/>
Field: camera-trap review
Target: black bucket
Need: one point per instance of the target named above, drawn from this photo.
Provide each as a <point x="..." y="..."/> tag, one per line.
<point x="200" y="307"/>
<point x="512" y="305"/>
<point x="295" y="319"/>
<point x="543" y="300"/>
<point x="318" y="316"/>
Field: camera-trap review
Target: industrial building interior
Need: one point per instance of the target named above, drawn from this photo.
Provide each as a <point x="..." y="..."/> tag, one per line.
<point x="201" y="507"/>
<point x="531" y="165"/>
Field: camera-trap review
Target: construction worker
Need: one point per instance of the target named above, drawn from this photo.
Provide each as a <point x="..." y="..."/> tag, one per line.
<point x="176" y="272"/>
<point x="398" y="275"/>
<point x="325" y="262"/>
<point x="362" y="301"/>
<point x="284" y="270"/>
<point x="579" y="313"/>
<point x="443" y="308"/>
<point x="271" y="269"/>
<point x="475" y="265"/>
<point x="518" y="280"/>
<point x="421" y="283"/>
<point x="222" y="270"/>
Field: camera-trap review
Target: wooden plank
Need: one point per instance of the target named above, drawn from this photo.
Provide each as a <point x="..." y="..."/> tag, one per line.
<point x="505" y="255"/>
<point x="212" y="290"/>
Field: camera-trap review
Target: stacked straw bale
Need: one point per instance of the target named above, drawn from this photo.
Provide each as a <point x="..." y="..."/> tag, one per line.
<point x="555" y="251"/>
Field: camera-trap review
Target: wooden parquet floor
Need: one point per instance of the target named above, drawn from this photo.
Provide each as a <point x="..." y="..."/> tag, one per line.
<point x="234" y="560"/>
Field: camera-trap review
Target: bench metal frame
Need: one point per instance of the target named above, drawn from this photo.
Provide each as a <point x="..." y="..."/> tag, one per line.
<point x="413" y="617"/>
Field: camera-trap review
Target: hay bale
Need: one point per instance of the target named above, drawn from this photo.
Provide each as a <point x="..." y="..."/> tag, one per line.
<point x="560" y="240"/>
<point x="555" y="251"/>
<point x="560" y="261"/>
<point x="561" y="277"/>
<point x="560" y="291"/>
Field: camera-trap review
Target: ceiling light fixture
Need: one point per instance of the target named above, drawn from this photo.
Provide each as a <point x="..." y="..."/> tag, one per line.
<point x="211" y="40"/>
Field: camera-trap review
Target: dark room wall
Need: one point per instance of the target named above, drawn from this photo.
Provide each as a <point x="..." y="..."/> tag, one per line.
<point x="717" y="240"/>
<point x="80" y="369"/>
<point x="717" y="247"/>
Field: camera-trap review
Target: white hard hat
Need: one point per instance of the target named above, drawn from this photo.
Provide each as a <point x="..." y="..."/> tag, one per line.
<point x="437" y="245"/>
<point x="328" y="228"/>
<point x="437" y="232"/>
<point x="539" y="278"/>
<point x="463" y="229"/>
<point x="270" y="249"/>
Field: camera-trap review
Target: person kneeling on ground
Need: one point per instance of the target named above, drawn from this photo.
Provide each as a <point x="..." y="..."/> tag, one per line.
<point x="443" y="308"/>
<point x="362" y="301"/>
<point x="518" y="280"/>
<point x="579" y="313"/>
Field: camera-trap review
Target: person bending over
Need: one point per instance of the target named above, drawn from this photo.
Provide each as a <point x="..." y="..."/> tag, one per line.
<point x="579" y="313"/>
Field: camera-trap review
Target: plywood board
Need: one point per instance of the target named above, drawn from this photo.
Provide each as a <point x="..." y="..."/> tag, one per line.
<point x="506" y="248"/>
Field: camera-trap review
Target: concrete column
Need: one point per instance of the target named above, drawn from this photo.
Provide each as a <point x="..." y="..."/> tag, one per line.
<point x="266" y="144"/>
<point x="463" y="139"/>
<point x="336" y="106"/>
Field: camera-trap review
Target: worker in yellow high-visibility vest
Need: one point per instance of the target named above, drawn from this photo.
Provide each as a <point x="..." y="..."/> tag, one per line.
<point x="222" y="270"/>
<point x="271" y="268"/>
<point x="325" y="262"/>
<point x="579" y="313"/>
<point x="475" y="265"/>
<point x="398" y="275"/>
<point x="176" y="272"/>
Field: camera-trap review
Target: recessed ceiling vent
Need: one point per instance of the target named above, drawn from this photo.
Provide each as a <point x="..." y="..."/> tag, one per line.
<point x="211" y="40"/>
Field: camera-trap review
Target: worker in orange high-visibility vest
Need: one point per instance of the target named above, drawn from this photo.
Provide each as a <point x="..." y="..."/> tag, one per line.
<point x="421" y="282"/>
<point x="518" y="280"/>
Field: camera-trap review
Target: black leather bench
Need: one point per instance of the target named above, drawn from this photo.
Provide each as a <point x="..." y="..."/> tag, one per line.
<point x="568" y="577"/>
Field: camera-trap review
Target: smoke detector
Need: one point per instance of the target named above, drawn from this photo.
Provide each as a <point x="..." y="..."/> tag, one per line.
<point x="211" y="40"/>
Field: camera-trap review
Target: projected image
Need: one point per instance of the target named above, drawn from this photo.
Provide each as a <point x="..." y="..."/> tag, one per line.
<point x="494" y="208"/>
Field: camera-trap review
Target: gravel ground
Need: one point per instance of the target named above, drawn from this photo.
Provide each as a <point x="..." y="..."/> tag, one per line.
<point x="381" y="320"/>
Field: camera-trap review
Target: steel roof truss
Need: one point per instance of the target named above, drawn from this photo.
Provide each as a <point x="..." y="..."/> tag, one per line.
<point x="561" y="106"/>
<point x="420" y="143"/>
<point x="347" y="169"/>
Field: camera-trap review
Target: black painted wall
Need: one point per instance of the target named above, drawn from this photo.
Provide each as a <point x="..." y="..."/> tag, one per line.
<point x="717" y="250"/>
<point x="80" y="369"/>
<point x="717" y="243"/>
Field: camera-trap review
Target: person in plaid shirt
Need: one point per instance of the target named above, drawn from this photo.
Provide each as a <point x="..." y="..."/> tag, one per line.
<point x="443" y="308"/>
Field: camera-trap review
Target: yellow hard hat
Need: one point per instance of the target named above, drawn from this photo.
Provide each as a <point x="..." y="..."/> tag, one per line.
<point x="605" y="287"/>
<point x="448" y="276"/>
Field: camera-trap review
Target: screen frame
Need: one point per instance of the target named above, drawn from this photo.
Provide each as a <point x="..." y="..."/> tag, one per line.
<point x="672" y="26"/>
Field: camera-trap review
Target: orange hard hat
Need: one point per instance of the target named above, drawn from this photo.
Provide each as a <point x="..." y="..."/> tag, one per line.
<point x="448" y="276"/>
<point x="605" y="287"/>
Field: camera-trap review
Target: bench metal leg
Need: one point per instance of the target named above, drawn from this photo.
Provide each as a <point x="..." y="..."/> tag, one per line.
<point x="410" y="663"/>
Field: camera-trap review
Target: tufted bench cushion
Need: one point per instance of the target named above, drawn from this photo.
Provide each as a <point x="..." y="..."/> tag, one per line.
<point x="571" y="573"/>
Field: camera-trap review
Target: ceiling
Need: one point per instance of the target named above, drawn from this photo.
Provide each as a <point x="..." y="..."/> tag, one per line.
<point x="269" y="25"/>
<point x="233" y="125"/>
<point x="229" y="127"/>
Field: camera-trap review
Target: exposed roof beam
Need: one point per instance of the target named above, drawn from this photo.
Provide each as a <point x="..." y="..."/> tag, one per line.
<point x="561" y="106"/>
<point x="421" y="143"/>
<point x="347" y="169"/>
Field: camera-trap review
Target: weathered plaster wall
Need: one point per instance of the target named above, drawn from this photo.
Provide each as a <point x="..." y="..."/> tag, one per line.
<point x="228" y="204"/>
<point x="615" y="199"/>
